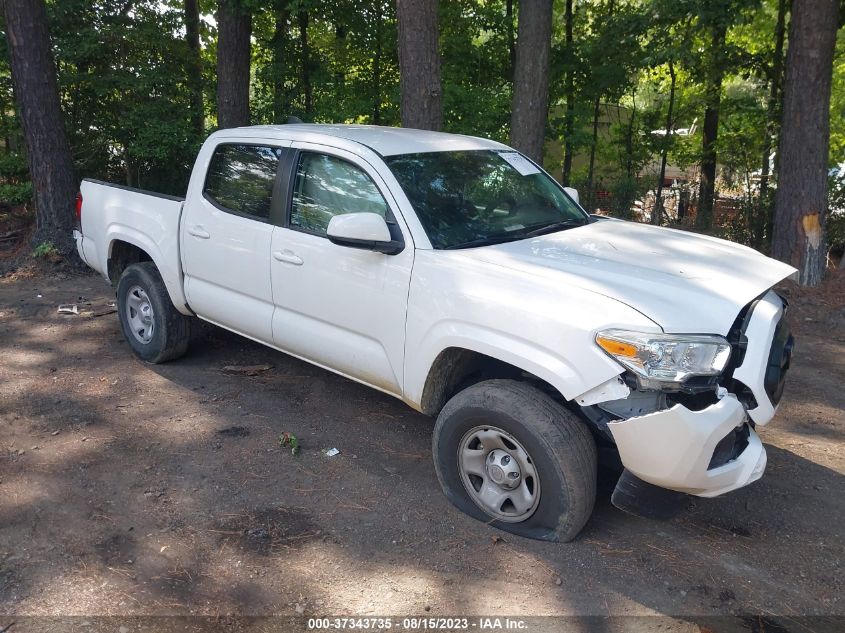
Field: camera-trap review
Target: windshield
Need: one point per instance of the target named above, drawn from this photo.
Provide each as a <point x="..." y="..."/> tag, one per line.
<point x="473" y="198"/>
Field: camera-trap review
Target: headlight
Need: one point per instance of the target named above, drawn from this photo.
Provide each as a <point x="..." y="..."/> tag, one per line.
<point x="662" y="358"/>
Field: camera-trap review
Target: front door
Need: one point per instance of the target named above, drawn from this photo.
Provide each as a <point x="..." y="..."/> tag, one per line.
<point x="340" y="307"/>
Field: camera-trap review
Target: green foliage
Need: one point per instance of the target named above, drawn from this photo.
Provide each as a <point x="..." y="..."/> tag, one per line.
<point x="837" y="102"/>
<point x="16" y="193"/>
<point x="836" y="219"/>
<point x="352" y="62"/>
<point x="45" y="250"/>
<point x="15" y="186"/>
<point x="740" y="144"/>
<point x="289" y="441"/>
<point x="476" y="68"/>
<point x="123" y="77"/>
<point x="123" y="86"/>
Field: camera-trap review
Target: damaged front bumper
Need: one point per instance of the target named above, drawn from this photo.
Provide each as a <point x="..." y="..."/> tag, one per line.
<point x="710" y="450"/>
<point x="674" y="448"/>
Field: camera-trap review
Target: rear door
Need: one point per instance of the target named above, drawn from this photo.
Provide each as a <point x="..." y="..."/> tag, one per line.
<point x="340" y="307"/>
<point x="226" y="237"/>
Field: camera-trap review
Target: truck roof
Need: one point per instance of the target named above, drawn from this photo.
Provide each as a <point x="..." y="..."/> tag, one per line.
<point x="387" y="141"/>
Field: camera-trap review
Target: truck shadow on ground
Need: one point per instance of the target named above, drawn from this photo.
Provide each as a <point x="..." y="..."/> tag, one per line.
<point x="163" y="489"/>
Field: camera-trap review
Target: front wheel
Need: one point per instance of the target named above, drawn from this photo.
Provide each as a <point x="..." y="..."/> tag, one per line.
<point x="153" y="327"/>
<point x="507" y="454"/>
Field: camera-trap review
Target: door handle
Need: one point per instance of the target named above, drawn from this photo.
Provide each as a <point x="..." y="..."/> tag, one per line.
<point x="287" y="257"/>
<point x="197" y="231"/>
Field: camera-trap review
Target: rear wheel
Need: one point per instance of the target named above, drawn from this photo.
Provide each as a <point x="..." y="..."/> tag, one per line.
<point x="155" y="330"/>
<point x="509" y="455"/>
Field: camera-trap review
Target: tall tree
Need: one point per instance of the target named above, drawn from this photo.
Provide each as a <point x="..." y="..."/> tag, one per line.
<point x="48" y="152"/>
<point x="278" y="47"/>
<point x="531" y="78"/>
<point x="192" y="37"/>
<point x="715" y="72"/>
<point x="511" y="36"/>
<point x="421" y="102"/>
<point x="377" y="54"/>
<point x="234" y="29"/>
<point x="305" y="62"/>
<point x="763" y="217"/>
<point x="657" y="214"/>
<point x="610" y="53"/>
<point x="801" y="198"/>
<point x="569" y="118"/>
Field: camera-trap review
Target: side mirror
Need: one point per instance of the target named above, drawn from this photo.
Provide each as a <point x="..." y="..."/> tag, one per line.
<point x="572" y="194"/>
<point x="367" y="231"/>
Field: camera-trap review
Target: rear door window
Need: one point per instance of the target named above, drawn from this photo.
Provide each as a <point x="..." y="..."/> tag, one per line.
<point x="240" y="179"/>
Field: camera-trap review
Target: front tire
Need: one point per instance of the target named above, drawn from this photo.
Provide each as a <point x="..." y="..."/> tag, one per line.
<point x="155" y="330"/>
<point x="509" y="455"/>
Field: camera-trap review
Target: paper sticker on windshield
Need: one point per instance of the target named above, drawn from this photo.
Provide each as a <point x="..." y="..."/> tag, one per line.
<point x="516" y="160"/>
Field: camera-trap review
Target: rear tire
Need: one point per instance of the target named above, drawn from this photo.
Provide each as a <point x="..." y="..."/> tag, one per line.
<point x="155" y="330"/>
<point x="550" y="453"/>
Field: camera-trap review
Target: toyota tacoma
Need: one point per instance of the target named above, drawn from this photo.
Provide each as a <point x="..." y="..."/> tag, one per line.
<point x="452" y="272"/>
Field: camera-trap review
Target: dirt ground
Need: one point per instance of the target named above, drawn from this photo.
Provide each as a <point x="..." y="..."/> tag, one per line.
<point x="131" y="489"/>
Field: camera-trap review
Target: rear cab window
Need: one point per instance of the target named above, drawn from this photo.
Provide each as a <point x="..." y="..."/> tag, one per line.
<point x="241" y="179"/>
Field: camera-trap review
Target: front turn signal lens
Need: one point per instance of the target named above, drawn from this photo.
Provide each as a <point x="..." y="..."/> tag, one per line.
<point x="616" y="348"/>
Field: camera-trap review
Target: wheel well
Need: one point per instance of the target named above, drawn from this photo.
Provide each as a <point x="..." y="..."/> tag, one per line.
<point x="124" y="254"/>
<point x="456" y="368"/>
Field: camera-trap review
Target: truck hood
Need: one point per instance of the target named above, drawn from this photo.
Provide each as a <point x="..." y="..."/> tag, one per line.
<point x="682" y="281"/>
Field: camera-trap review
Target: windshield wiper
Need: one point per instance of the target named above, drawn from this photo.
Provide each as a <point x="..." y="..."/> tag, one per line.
<point x="555" y="227"/>
<point x="485" y="241"/>
<point x="519" y="235"/>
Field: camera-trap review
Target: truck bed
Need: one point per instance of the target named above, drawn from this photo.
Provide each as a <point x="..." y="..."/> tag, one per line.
<point x="112" y="213"/>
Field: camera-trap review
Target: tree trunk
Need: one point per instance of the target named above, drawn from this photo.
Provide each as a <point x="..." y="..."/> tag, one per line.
<point x="377" y="66"/>
<point x="421" y="102"/>
<point x="305" y="49"/>
<point x="234" y="28"/>
<point x="657" y="214"/>
<point x="280" y="31"/>
<point x="48" y="153"/>
<point x="710" y="130"/>
<point x="341" y="57"/>
<point x="629" y="137"/>
<point x="511" y="37"/>
<point x="192" y="37"/>
<point x="530" y="106"/>
<point x="763" y="220"/>
<point x="801" y="197"/>
<point x="591" y="194"/>
<point x="569" y="120"/>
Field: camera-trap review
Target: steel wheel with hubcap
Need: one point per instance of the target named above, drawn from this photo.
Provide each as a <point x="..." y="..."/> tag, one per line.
<point x="499" y="443"/>
<point x="498" y="473"/>
<point x="140" y="314"/>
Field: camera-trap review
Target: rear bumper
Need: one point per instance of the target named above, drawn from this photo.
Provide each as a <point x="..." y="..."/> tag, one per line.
<point x="673" y="448"/>
<point x="87" y="250"/>
<point x="77" y="237"/>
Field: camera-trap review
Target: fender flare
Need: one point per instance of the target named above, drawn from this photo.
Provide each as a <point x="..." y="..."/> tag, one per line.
<point x="172" y="276"/>
<point x="520" y="353"/>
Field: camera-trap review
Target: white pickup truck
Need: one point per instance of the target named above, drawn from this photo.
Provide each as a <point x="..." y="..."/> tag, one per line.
<point x="455" y="274"/>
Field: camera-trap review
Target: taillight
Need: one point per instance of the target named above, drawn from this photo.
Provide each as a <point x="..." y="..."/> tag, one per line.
<point x="79" y="206"/>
